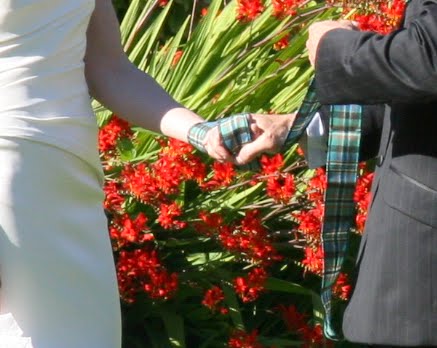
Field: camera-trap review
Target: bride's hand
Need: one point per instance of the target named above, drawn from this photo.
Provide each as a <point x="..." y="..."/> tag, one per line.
<point x="214" y="146"/>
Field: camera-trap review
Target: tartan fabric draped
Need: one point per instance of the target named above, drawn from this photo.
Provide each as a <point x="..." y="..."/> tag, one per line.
<point x="341" y="171"/>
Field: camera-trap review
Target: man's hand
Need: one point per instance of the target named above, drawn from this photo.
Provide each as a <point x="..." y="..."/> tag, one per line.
<point x="317" y="30"/>
<point x="269" y="134"/>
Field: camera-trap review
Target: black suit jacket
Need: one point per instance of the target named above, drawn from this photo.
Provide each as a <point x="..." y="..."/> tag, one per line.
<point x="395" y="298"/>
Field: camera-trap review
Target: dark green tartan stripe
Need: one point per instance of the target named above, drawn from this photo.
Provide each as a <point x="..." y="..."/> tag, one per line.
<point x="342" y="165"/>
<point x="304" y="115"/>
<point x="235" y="132"/>
<point x="197" y="133"/>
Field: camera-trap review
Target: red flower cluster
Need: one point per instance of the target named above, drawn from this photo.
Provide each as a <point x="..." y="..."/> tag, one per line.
<point x="110" y="134"/>
<point x="140" y="271"/>
<point x="153" y="183"/>
<point x="113" y="198"/>
<point x="125" y="230"/>
<point x="168" y="214"/>
<point x="296" y="322"/>
<point x="248" y="10"/>
<point x="271" y="164"/>
<point x="162" y="3"/>
<point x="379" y="16"/>
<point x="342" y="288"/>
<point x="249" y="288"/>
<point x="241" y="339"/>
<point x="213" y="299"/>
<point x="313" y="260"/>
<point x="310" y="220"/>
<point x="223" y="175"/>
<point x="280" y="186"/>
<point x="282" y="8"/>
<point x="310" y="223"/>
<point x="281" y="43"/>
<point x="247" y="238"/>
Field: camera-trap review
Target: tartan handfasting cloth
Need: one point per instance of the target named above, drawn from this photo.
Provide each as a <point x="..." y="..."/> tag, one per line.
<point x="341" y="172"/>
<point x="234" y="130"/>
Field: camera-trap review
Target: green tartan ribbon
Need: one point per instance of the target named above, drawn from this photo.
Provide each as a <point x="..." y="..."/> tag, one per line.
<point x="341" y="171"/>
<point x="304" y="115"/>
<point x="234" y="130"/>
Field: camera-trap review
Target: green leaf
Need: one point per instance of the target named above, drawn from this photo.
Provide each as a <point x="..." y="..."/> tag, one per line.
<point x="233" y="306"/>
<point x="174" y="324"/>
<point x="240" y="198"/>
<point x="275" y="284"/>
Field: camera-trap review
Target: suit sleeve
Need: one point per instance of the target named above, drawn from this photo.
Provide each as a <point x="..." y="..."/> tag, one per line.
<point x="354" y="67"/>
<point x="371" y="129"/>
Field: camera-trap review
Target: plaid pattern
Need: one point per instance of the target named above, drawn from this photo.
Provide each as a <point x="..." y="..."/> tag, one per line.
<point x="235" y="132"/>
<point x="304" y="115"/>
<point x="197" y="134"/>
<point x="341" y="171"/>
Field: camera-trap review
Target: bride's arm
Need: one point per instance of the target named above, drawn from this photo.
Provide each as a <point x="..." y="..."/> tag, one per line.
<point x="127" y="91"/>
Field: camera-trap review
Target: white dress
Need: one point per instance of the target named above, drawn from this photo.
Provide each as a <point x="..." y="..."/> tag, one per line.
<point x="59" y="286"/>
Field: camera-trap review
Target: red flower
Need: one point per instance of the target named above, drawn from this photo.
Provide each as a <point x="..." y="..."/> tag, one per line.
<point x="282" y="8"/>
<point x="272" y="164"/>
<point x="382" y="17"/>
<point x="292" y="318"/>
<point x="310" y="223"/>
<point x="139" y="181"/>
<point x="249" y="288"/>
<point x="281" y="43"/>
<point x="213" y="298"/>
<point x="241" y="339"/>
<point x="362" y="196"/>
<point x="313" y="337"/>
<point x="177" y="57"/>
<point x="250" y="239"/>
<point x="224" y="174"/>
<point x="313" y="260"/>
<point x="210" y="223"/>
<point x="317" y="185"/>
<point x="281" y="188"/>
<point x="140" y="271"/>
<point x="342" y="288"/>
<point x="248" y="10"/>
<point x="168" y="214"/>
<point x="113" y="199"/>
<point x="125" y="229"/>
<point x="110" y="133"/>
<point x="162" y="3"/>
<point x="213" y="220"/>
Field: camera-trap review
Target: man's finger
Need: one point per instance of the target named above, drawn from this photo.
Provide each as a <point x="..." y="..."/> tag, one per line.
<point x="251" y="150"/>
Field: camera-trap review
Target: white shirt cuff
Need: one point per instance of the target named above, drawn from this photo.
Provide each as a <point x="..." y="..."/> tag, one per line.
<point x="314" y="143"/>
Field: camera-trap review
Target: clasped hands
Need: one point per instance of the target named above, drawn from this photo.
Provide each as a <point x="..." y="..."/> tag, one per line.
<point x="241" y="138"/>
<point x="267" y="132"/>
